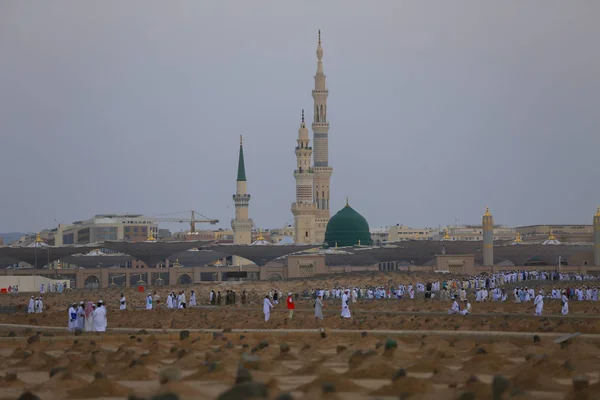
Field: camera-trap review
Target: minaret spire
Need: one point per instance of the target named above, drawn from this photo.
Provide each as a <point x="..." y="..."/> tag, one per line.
<point x="241" y="173"/>
<point x="320" y="127"/>
<point x="241" y="224"/>
<point x="304" y="208"/>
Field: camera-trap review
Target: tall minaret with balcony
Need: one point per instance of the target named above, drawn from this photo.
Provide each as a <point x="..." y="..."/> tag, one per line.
<point x="241" y="225"/>
<point x="304" y="209"/>
<point x="320" y="127"/>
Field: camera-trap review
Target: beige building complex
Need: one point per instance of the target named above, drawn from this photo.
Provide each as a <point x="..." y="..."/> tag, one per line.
<point x="311" y="208"/>
<point x="105" y="227"/>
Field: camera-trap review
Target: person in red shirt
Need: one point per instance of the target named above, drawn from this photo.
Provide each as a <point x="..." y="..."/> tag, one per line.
<point x="290" y="305"/>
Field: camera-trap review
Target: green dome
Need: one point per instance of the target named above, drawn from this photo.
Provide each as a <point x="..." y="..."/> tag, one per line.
<point x="347" y="228"/>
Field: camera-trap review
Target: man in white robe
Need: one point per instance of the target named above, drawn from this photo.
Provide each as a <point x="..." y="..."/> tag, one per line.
<point x="467" y="309"/>
<point x="455" y="309"/>
<point x="31" y="306"/>
<point x="345" y="306"/>
<point x="99" y="316"/>
<point x="39" y="305"/>
<point x="267" y="305"/>
<point x="538" y="302"/>
<point x="123" y="303"/>
<point x="72" y="317"/>
<point x="80" y="316"/>
<point x="193" y="299"/>
<point x="169" y="301"/>
<point x="149" y="302"/>
<point x="565" y="304"/>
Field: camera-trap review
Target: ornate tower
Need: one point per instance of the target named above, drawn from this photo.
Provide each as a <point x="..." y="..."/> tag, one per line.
<point x="488" y="238"/>
<point x="304" y="209"/>
<point x="597" y="238"/>
<point x="320" y="127"/>
<point x="241" y="225"/>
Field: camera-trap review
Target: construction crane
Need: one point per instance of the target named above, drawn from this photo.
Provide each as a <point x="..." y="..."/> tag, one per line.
<point x="192" y="220"/>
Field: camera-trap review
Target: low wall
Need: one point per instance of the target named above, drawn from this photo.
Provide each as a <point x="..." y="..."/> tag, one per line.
<point x="28" y="284"/>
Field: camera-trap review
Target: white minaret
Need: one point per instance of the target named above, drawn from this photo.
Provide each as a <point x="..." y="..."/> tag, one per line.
<point x="304" y="209"/>
<point x="320" y="127"/>
<point x="241" y="225"/>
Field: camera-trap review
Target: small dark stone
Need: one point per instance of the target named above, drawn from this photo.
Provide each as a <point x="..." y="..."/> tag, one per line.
<point x="243" y="376"/>
<point x="135" y="361"/>
<point x="134" y="397"/>
<point x="472" y="379"/>
<point x="499" y="385"/>
<point x="139" y="340"/>
<point x="173" y="349"/>
<point x="254" y="349"/>
<point x="165" y="396"/>
<point x="244" y="391"/>
<point x="390" y="344"/>
<point x="284" y="348"/>
<point x="328" y="388"/>
<point x="33" y="339"/>
<point x="339" y="349"/>
<point x="580" y="382"/>
<point x="229" y="345"/>
<point x="467" y="396"/>
<point x="263" y="344"/>
<point x="227" y="330"/>
<point x="12" y="334"/>
<point x="536" y="339"/>
<point x="184" y="335"/>
<point x="57" y="370"/>
<point x="284" y="396"/>
<point x="78" y="332"/>
<point x="401" y="373"/>
<point x="75" y="341"/>
<point x="480" y="350"/>
<point x="28" y="396"/>
<point x="306" y="346"/>
<point x="568" y="365"/>
<point x="378" y="345"/>
<point x="181" y="353"/>
<point x="132" y="337"/>
<point x="92" y="342"/>
<point x="323" y="333"/>
<point x="363" y="334"/>
<point x="11" y="376"/>
<point x="242" y="337"/>
<point x="99" y="375"/>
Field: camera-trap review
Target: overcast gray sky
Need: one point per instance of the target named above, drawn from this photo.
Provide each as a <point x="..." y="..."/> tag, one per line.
<point x="437" y="108"/>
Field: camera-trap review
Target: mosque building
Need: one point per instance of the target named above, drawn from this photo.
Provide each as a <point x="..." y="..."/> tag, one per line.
<point x="348" y="228"/>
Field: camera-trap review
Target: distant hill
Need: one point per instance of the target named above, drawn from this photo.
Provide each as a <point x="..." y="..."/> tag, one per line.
<point x="11" y="237"/>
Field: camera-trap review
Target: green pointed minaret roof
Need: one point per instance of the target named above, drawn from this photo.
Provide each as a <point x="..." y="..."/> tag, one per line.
<point x="241" y="177"/>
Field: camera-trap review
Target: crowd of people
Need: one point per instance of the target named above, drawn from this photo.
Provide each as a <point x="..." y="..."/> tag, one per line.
<point x="88" y="316"/>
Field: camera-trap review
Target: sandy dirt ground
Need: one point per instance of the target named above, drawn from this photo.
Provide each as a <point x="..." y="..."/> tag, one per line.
<point x="300" y="366"/>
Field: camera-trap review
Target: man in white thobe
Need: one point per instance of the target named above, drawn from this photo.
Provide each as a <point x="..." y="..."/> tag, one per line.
<point x="467" y="309"/>
<point x="455" y="309"/>
<point x="538" y="302"/>
<point x="149" y="302"/>
<point x="267" y="305"/>
<point x="565" y="304"/>
<point x="345" y="306"/>
<point x="99" y="316"/>
<point x="122" y="303"/>
<point x="80" y="316"/>
<point x="193" y="299"/>
<point x="31" y="306"/>
<point x="72" y="317"/>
